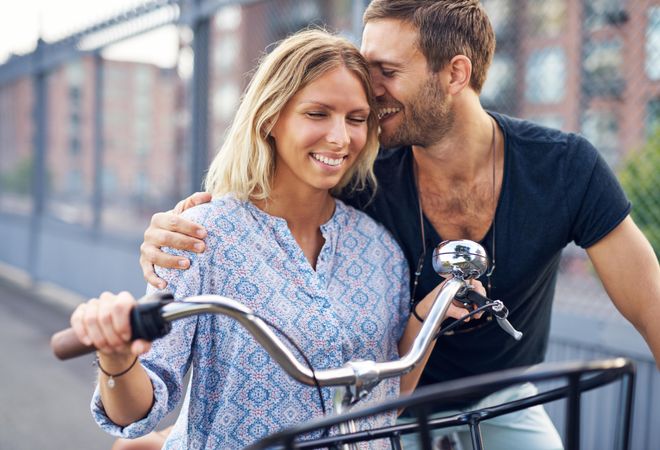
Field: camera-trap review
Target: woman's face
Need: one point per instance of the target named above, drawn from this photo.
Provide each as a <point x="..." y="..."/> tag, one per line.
<point x="321" y="131"/>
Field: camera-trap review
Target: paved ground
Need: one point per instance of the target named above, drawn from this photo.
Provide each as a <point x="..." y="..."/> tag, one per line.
<point x="44" y="403"/>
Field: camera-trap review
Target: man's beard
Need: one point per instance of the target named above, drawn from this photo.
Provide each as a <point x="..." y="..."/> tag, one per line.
<point x="427" y="118"/>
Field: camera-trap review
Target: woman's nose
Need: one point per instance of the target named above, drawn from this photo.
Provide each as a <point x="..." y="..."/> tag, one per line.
<point x="338" y="134"/>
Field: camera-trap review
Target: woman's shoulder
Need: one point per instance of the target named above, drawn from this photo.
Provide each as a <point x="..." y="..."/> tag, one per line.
<point x="220" y="209"/>
<point x="226" y="219"/>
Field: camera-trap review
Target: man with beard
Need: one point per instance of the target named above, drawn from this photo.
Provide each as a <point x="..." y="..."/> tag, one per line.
<point x="456" y="171"/>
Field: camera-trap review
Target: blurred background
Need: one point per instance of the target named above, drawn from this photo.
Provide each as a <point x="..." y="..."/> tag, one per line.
<point x="111" y="111"/>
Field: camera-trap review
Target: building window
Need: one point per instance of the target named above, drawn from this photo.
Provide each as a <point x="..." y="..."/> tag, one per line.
<point x="300" y="14"/>
<point x="549" y="120"/>
<point x="653" y="44"/>
<point x="75" y="95"/>
<point x="74" y="123"/>
<point x="228" y="18"/>
<point x="226" y="53"/>
<point x="546" y="18"/>
<point x="225" y="102"/>
<point x="601" y="128"/>
<point x="499" y="88"/>
<point x="545" y="78"/>
<point x="74" y="73"/>
<point x="500" y="14"/>
<point x="603" y="65"/>
<point x="74" y="146"/>
<point x="603" y="13"/>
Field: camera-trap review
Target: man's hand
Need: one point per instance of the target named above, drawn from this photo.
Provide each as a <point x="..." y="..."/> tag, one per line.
<point x="167" y="229"/>
<point x="456" y="309"/>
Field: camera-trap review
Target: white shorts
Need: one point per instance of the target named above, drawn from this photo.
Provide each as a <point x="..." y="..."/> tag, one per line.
<point x="526" y="429"/>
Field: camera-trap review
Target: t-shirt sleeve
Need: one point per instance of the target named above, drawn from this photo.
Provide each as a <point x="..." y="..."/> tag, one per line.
<point x="596" y="200"/>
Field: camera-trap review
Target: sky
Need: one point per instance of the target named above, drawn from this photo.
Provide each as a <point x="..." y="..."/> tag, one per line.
<point x="21" y="22"/>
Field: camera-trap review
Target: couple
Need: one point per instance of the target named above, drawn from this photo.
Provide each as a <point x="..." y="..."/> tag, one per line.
<point x="328" y="275"/>
<point x="522" y="190"/>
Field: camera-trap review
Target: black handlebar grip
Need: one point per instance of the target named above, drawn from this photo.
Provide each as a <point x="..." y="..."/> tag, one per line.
<point x="146" y="319"/>
<point x="65" y="345"/>
<point x="146" y="323"/>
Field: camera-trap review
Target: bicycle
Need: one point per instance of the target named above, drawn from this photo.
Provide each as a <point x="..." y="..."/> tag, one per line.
<point x="459" y="261"/>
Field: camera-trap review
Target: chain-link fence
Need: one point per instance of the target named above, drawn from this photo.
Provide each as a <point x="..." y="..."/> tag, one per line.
<point x="101" y="140"/>
<point x="591" y="67"/>
<point x="107" y="126"/>
<point x="121" y="131"/>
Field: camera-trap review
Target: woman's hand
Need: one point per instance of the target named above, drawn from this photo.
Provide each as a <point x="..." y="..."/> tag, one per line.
<point x="126" y="390"/>
<point x="167" y="229"/>
<point x="104" y="322"/>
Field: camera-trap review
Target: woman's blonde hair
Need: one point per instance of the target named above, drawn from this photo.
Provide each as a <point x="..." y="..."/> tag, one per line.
<point x="245" y="163"/>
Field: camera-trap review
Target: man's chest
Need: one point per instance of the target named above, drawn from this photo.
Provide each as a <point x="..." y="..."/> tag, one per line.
<point x="459" y="213"/>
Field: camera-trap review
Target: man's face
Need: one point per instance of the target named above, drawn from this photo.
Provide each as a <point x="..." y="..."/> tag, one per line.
<point x="413" y="107"/>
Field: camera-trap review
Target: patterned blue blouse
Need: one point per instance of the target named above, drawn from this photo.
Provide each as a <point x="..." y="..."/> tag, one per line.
<point x="353" y="306"/>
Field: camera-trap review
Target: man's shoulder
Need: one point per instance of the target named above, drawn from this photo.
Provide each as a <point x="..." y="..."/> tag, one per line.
<point x="529" y="132"/>
<point x="526" y="137"/>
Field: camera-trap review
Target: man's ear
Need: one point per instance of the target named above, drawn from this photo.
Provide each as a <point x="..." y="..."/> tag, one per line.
<point x="460" y="72"/>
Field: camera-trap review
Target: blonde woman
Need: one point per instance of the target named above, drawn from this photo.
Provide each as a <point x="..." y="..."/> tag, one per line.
<point x="278" y="241"/>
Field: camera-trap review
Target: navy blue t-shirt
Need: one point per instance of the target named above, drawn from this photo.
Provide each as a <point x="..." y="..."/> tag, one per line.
<point x="556" y="189"/>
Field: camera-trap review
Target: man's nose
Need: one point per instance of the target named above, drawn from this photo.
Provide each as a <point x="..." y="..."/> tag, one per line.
<point x="377" y="83"/>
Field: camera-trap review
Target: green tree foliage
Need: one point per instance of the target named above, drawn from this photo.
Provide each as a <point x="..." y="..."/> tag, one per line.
<point x="18" y="180"/>
<point x="640" y="178"/>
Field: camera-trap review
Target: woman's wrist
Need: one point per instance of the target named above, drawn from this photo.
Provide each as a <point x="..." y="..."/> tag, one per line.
<point x="112" y="374"/>
<point x="113" y="363"/>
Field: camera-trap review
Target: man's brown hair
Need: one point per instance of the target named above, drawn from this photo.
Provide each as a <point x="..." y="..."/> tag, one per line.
<point x="446" y="28"/>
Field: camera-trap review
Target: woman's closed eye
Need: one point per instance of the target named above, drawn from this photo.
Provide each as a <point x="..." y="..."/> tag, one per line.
<point x="316" y="114"/>
<point x="357" y="119"/>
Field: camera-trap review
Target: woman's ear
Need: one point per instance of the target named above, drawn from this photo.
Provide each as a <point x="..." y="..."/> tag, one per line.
<point x="270" y="128"/>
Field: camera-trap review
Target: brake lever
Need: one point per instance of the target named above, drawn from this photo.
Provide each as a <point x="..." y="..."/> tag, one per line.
<point x="469" y="296"/>
<point x="501" y="313"/>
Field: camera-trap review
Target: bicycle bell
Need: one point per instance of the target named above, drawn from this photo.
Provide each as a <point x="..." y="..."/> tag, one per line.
<point x="462" y="259"/>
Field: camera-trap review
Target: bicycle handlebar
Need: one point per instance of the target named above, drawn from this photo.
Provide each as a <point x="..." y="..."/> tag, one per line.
<point x="462" y="260"/>
<point x="145" y="316"/>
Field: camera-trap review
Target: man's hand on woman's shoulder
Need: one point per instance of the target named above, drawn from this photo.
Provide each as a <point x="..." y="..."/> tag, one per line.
<point x="168" y="229"/>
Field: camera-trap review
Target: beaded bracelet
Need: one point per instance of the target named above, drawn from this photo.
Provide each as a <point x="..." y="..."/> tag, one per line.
<point x="112" y="376"/>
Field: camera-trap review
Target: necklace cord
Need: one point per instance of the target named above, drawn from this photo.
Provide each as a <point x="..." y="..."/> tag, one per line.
<point x="420" y="261"/>
<point x="494" y="206"/>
